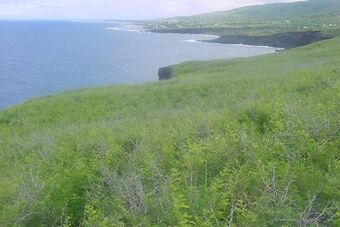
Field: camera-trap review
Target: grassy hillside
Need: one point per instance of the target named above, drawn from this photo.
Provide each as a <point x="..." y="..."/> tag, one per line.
<point x="264" y="20"/>
<point x="245" y="142"/>
<point x="285" y="11"/>
<point x="297" y="16"/>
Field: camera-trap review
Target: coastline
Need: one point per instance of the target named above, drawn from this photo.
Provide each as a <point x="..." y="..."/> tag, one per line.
<point x="124" y="29"/>
<point x="235" y="44"/>
<point x="286" y="40"/>
<point x="181" y="51"/>
<point x="211" y="38"/>
<point x="214" y="38"/>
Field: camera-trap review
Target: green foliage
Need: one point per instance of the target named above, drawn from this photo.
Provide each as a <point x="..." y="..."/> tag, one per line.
<point x="268" y="19"/>
<point x="179" y="215"/>
<point x="243" y="142"/>
<point x="93" y="218"/>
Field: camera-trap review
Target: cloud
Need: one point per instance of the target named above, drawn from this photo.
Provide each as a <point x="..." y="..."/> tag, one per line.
<point x="102" y="9"/>
<point x="15" y="9"/>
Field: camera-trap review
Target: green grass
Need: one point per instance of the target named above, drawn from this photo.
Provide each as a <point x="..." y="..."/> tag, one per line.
<point x="245" y="142"/>
<point x="312" y="15"/>
<point x="297" y="9"/>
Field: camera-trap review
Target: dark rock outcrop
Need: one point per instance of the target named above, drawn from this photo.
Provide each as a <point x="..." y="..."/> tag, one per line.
<point x="282" y="40"/>
<point x="165" y="73"/>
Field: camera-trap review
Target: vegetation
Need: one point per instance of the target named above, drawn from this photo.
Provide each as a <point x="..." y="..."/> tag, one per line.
<point x="266" y="22"/>
<point x="219" y="144"/>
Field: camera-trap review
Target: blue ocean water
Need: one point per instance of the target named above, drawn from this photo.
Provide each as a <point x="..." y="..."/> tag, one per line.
<point x="43" y="58"/>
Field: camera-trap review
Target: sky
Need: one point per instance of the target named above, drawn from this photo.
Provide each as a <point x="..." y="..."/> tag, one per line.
<point x="115" y="9"/>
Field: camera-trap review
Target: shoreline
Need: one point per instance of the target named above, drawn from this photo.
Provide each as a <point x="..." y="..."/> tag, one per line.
<point x="235" y="44"/>
<point x="280" y="41"/>
<point x="124" y="29"/>
<point x="213" y="38"/>
<point x="7" y="103"/>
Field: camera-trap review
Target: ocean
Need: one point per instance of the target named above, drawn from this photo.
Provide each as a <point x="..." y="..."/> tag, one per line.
<point x="40" y="58"/>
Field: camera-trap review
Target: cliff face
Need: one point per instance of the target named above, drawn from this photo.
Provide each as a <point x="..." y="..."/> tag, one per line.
<point x="165" y="73"/>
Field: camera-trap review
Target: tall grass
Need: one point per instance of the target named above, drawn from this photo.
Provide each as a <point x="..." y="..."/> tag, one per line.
<point x="245" y="142"/>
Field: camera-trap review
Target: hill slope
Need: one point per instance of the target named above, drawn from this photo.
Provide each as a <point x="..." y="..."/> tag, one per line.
<point x="249" y="142"/>
<point x="289" y="21"/>
<point x="285" y="11"/>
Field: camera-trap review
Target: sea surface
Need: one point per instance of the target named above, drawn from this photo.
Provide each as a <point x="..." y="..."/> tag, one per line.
<point x="43" y="58"/>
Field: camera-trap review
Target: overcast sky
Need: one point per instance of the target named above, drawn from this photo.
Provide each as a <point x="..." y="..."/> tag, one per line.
<point x="115" y="9"/>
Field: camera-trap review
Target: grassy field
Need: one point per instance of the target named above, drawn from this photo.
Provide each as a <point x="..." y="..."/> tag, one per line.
<point x="244" y="142"/>
<point x="257" y="21"/>
<point x="311" y="15"/>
